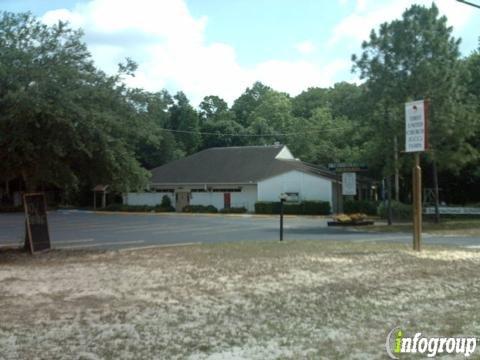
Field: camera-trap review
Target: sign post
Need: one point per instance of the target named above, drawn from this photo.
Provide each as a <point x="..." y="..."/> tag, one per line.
<point x="347" y="174"/>
<point x="36" y="222"/>
<point x="416" y="141"/>
<point x="283" y="198"/>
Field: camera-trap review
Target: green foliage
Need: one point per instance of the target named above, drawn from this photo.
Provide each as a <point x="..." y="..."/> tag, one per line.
<point x="166" y="202"/>
<point x="360" y="206"/>
<point x="243" y="107"/>
<point x="400" y="211"/>
<point x="316" y="208"/>
<point x="137" y="208"/>
<point x="301" y="208"/>
<point x="184" y="120"/>
<point x="62" y="121"/>
<point x="200" y="209"/>
<point x="412" y="58"/>
<point x="233" y="210"/>
<point x="10" y="209"/>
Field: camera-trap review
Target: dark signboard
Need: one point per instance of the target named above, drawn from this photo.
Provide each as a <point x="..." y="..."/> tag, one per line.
<point x="347" y="167"/>
<point x="36" y="221"/>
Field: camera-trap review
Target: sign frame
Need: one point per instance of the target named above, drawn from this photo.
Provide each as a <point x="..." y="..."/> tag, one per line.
<point x="349" y="178"/>
<point x="416" y="124"/>
<point x="41" y="212"/>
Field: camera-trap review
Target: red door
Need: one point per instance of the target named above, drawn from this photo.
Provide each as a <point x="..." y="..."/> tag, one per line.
<point x="226" y="200"/>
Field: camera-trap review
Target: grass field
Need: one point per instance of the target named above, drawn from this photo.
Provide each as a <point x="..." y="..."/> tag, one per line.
<point x="263" y="300"/>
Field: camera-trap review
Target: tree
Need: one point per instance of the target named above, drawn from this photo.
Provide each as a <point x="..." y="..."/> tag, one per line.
<point x="184" y="120"/>
<point x="307" y="101"/>
<point x="272" y="115"/>
<point x="248" y="102"/>
<point x="214" y="108"/>
<point x="62" y="121"/>
<point x="417" y="57"/>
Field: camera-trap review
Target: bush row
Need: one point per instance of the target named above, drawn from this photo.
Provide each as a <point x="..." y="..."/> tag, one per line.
<point x="137" y="208"/>
<point x="400" y="211"/>
<point x="301" y="208"/>
<point x="360" y="206"/>
<point x="200" y="209"/>
<point x="233" y="210"/>
<point x="10" y="208"/>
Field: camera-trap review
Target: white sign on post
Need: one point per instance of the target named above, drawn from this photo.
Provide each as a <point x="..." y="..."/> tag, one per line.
<point x="415" y="126"/>
<point x="349" y="183"/>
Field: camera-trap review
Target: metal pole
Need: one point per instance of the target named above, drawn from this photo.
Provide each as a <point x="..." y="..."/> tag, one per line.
<point x="281" y="219"/>
<point x="417" y="203"/>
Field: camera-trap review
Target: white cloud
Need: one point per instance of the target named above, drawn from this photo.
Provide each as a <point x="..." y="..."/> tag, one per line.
<point x="369" y="14"/>
<point x="305" y="47"/>
<point x="170" y="47"/>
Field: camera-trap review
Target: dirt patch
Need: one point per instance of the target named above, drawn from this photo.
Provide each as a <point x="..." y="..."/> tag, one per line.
<point x="263" y="300"/>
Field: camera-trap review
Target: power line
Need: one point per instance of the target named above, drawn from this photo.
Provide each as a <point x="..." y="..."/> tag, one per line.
<point x="469" y="3"/>
<point x="250" y="135"/>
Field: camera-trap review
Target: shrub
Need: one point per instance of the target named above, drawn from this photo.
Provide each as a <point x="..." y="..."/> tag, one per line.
<point x="360" y="206"/>
<point x="162" y="208"/>
<point x="233" y="210"/>
<point x="137" y="208"/>
<point x="302" y="208"/>
<point x="200" y="209"/>
<point x="10" y="208"/>
<point x="267" y="207"/>
<point x="400" y="211"/>
<point x="166" y="202"/>
<point x="316" y="207"/>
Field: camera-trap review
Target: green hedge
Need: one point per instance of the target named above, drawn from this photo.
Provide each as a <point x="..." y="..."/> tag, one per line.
<point x="301" y="208"/>
<point x="137" y="208"/>
<point x="200" y="209"/>
<point x="233" y="210"/>
<point x="360" y="206"/>
<point x="10" y="208"/>
<point x="400" y="211"/>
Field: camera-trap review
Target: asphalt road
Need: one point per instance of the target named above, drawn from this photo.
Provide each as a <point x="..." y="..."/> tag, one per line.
<point x="80" y="229"/>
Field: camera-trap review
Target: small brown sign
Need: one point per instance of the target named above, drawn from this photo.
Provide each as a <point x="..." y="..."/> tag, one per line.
<point x="36" y="222"/>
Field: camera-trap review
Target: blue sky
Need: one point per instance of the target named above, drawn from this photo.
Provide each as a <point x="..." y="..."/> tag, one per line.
<point x="220" y="47"/>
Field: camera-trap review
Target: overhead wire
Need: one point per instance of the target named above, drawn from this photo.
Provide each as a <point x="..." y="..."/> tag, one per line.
<point x="251" y="135"/>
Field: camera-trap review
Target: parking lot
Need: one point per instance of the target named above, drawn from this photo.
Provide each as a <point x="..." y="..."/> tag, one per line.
<point x="82" y="229"/>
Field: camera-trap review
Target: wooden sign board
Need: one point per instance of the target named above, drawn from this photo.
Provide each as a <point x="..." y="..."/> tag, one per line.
<point x="36" y="221"/>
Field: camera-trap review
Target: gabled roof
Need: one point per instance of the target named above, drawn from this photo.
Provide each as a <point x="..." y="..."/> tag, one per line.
<point x="233" y="165"/>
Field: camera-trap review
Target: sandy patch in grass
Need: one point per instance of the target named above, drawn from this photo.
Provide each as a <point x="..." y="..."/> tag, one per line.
<point x="233" y="301"/>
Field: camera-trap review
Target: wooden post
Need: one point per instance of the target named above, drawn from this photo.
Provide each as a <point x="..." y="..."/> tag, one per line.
<point x="104" y="199"/>
<point x="417" y="203"/>
<point x="94" y="200"/>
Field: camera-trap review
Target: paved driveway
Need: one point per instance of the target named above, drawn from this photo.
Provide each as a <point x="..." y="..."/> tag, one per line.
<point x="79" y="229"/>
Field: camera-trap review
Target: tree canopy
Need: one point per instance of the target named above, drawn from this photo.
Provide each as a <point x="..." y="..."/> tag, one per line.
<point x="63" y="122"/>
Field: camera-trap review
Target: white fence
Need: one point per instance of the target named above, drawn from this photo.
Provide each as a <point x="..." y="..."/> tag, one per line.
<point x="453" y="210"/>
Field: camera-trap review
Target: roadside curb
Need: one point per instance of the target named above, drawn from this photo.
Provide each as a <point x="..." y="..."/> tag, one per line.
<point x="173" y="213"/>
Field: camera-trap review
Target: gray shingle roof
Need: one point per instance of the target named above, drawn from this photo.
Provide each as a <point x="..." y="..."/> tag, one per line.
<point x="231" y="165"/>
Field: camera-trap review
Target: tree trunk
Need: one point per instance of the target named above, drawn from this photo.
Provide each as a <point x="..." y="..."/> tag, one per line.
<point x="397" y="174"/>
<point x="389" y="191"/>
<point x="29" y="182"/>
<point x="435" y="189"/>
